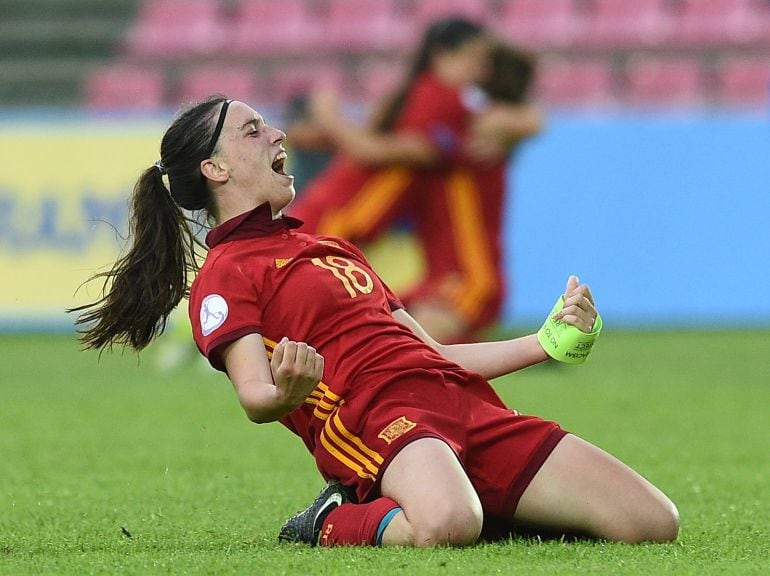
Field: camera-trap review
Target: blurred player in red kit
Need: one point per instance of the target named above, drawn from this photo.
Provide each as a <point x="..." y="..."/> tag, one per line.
<point x="436" y="156"/>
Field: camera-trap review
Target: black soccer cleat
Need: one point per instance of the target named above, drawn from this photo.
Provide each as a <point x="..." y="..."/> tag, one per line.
<point x="305" y="526"/>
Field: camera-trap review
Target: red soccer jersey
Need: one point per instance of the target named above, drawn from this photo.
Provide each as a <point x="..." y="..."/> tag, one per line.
<point x="261" y="276"/>
<point x="439" y="113"/>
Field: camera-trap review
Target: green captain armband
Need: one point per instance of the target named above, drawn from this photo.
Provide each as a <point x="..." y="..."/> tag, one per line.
<point x="564" y="342"/>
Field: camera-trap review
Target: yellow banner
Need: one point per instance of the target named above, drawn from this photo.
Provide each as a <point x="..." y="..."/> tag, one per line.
<point x="64" y="192"/>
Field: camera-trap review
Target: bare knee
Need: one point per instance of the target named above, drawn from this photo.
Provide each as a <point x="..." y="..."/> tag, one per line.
<point x="665" y="524"/>
<point x="668" y="529"/>
<point x="659" y="523"/>
<point x="455" y="525"/>
<point x="436" y="512"/>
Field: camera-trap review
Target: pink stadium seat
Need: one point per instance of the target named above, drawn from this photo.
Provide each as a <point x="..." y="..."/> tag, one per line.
<point x="176" y="28"/>
<point x="354" y="25"/>
<point x="661" y="82"/>
<point x="237" y="83"/>
<point x="540" y="23"/>
<point x="762" y="15"/>
<point x="628" y="23"/>
<point x="744" y="81"/>
<point x="584" y="83"/>
<point x="427" y="11"/>
<point x="275" y="27"/>
<point x="308" y="76"/>
<point x="377" y="80"/>
<point x="124" y="87"/>
<point x="721" y="21"/>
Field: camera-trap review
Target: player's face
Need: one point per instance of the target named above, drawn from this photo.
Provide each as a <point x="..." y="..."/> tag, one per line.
<point x="470" y="62"/>
<point x="254" y="155"/>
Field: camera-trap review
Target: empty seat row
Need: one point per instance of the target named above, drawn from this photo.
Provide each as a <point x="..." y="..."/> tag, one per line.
<point x="129" y="85"/>
<point x="182" y="27"/>
<point x="659" y="82"/>
<point x="643" y="81"/>
<point x="633" y="23"/>
<point x="171" y="28"/>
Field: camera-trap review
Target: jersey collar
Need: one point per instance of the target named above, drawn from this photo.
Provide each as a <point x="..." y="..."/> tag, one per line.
<point x="254" y="223"/>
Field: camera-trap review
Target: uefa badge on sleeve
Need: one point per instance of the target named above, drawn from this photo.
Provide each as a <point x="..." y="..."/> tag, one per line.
<point x="213" y="313"/>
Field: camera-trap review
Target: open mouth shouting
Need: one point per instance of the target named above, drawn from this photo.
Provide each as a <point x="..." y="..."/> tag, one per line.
<point x="279" y="164"/>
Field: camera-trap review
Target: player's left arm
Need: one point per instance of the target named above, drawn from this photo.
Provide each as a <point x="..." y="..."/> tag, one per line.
<point x="494" y="131"/>
<point x="490" y="359"/>
<point x="493" y="359"/>
<point x="508" y="121"/>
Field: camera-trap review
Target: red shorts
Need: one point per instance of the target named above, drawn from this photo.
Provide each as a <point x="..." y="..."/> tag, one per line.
<point x="500" y="449"/>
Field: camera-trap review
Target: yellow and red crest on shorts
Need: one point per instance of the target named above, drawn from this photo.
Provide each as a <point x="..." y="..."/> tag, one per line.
<point x="281" y="262"/>
<point x="398" y="427"/>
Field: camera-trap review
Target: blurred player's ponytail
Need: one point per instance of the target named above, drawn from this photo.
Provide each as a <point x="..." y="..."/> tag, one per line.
<point x="151" y="278"/>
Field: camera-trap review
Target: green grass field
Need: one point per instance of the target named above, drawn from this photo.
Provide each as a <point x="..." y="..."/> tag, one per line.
<point x="112" y="467"/>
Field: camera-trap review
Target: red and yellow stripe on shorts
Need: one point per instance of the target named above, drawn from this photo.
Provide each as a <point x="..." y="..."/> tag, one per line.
<point x="342" y="444"/>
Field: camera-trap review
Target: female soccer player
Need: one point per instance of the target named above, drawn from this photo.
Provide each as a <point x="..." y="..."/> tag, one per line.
<point x="418" y="448"/>
<point x="436" y="156"/>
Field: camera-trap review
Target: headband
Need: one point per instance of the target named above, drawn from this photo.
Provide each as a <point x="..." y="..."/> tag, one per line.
<point x="218" y="129"/>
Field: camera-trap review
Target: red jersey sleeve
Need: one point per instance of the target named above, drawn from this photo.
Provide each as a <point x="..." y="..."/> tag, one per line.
<point x="393" y="300"/>
<point x="224" y="306"/>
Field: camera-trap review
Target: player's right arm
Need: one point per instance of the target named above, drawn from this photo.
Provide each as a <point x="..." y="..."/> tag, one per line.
<point x="366" y="146"/>
<point x="270" y="388"/>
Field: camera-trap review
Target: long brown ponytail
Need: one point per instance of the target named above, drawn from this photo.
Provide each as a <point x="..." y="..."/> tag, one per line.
<point x="152" y="277"/>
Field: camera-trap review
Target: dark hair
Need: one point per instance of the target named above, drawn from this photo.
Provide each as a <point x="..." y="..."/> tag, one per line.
<point x="443" y="35"/>
<point x="513" y="73"/>
<point x="151" y="278"/>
